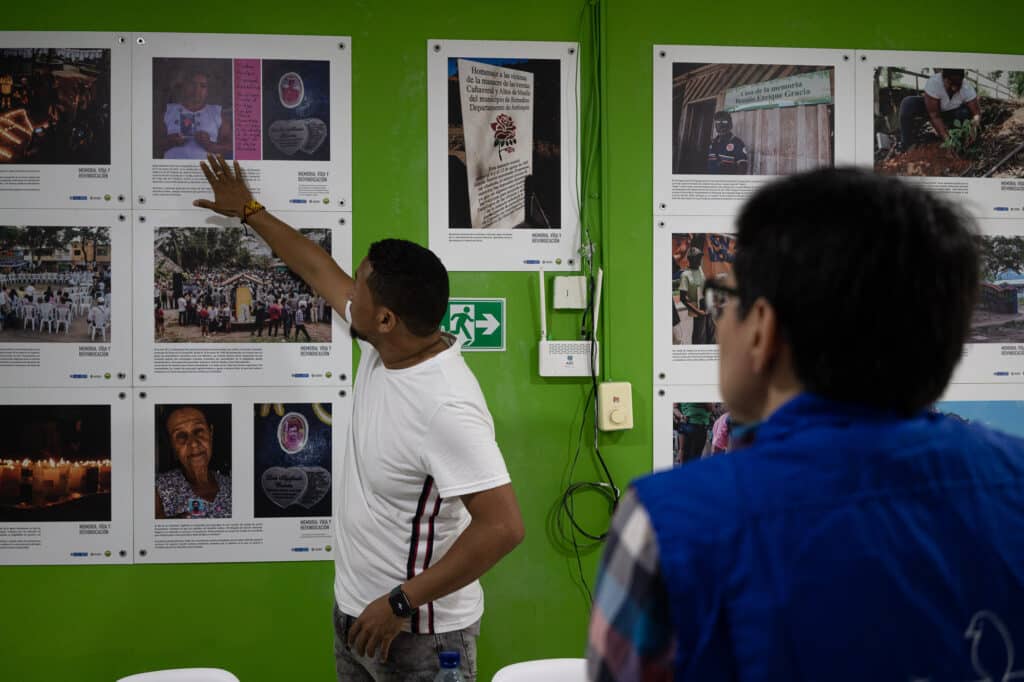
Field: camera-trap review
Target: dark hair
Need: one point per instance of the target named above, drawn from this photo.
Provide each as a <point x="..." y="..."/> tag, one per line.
<point x="722" y="116"/>
<point x="873" y="281"/>
<point x="411" y="281"/>
<point x="956" y="74"/>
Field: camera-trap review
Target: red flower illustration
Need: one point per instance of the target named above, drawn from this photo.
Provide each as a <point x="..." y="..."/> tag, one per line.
<point x="504" y="127"/>
<point x="504" y="134"/>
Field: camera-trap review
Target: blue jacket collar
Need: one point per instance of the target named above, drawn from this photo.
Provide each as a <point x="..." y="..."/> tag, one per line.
<point x="809" y="409"/>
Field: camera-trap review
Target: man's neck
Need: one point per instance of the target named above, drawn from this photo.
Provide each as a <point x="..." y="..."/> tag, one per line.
<point x="411" y="350"/>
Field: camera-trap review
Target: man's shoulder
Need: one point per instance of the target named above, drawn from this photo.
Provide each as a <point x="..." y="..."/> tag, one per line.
<point x="968" y="92"/>
<point x="934" y="87"/>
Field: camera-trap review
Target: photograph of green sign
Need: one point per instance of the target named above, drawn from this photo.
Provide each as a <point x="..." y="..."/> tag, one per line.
<point x="806" y="88"/>
<point x="751" y="119"/>
<point x="479" y="323"/>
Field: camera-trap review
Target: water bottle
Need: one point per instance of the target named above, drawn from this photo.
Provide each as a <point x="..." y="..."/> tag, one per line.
<point x="449" y="671"/>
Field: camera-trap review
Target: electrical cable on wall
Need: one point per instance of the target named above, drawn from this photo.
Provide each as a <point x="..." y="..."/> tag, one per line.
<point x="568" y="525"/>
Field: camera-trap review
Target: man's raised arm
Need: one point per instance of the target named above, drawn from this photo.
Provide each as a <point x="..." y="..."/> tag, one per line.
<point x="310" y="262"/>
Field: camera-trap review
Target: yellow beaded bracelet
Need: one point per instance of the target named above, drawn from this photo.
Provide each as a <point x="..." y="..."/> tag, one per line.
<point x="251" y="208"/>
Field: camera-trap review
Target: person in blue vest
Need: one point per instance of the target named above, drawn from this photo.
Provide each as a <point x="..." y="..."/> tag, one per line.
<point x="860" y="534"/>
<point x="727" y="154"/>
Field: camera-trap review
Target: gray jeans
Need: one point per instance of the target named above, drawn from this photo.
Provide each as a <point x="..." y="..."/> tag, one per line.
<point x="412" y="658"/>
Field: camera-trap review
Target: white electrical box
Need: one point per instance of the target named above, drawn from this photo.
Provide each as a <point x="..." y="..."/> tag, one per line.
<point x="570" y="292"/>
<point x="568" y="358"/>
<point x="614" y="406"/>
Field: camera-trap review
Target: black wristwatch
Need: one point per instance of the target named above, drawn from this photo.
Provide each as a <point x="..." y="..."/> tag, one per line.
<point x="400" y="603"/>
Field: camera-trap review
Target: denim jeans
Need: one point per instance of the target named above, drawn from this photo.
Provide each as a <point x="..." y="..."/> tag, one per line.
<point x="412" y="658"/>
<point x="913" y="111"/>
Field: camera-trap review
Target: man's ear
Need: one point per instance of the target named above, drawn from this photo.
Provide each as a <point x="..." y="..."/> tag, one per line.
<point x="764" y="336"/>
<point x="386" y="320"/>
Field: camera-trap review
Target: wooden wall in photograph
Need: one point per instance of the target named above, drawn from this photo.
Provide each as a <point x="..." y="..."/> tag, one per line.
<point x="787" y="140"/>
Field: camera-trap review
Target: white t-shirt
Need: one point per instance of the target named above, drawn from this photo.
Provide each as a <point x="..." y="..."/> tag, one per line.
<point x="207" y="120"/>
<point x="419" y="438"/>
<point x="934" y="88"/>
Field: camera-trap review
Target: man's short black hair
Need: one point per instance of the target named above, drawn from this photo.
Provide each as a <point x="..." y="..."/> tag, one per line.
<point x="410" y="280"/>
<point x="723" y="116"/>
<point x="873" y="281"/>
<point x="955" y="74"/>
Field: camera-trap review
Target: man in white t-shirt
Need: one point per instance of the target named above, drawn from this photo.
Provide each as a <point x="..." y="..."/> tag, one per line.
<point x="947" y="98"/>
<point x="424" y="500"/>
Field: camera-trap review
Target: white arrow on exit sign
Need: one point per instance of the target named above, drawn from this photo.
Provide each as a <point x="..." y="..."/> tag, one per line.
<point x="489" y="324"/>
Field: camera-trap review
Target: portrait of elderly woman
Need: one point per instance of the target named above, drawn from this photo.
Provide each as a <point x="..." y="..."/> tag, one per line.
<point x="193" y="472"/>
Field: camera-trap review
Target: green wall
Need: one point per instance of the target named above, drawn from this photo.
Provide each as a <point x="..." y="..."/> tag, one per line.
<point x="272" y="621"/>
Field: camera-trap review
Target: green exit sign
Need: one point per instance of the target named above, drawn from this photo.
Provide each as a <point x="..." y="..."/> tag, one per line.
<point x="478" y="322"/>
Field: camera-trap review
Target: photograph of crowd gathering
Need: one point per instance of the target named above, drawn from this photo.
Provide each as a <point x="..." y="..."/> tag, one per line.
<point x="55" y="463"/>
<point x="54" y="284"/>
<point x="225" y="285"/>
<point x="699" y="430"/>
<point x="54" y="106"/>
<point x="696" y="259"/>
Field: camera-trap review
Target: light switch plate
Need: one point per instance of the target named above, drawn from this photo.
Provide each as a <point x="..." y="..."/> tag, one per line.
<point x="614" y="406"/>
<point x="570" y="292"/>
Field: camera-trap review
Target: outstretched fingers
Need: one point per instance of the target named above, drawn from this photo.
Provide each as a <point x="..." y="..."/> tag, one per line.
<point x="207" y="172"/>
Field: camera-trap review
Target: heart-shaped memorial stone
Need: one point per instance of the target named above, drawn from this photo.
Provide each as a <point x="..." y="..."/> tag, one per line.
<point x="318" y="482"/>
<point x="316" y="133"/>
<point x="284" y="486"/>
<point x="288" y="136"/>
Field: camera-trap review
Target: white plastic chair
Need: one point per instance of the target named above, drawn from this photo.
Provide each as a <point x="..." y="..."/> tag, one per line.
<point x="544" y="670"/>
<point x="63" y="317"/>
<point x="183" y="675"/>
<point x="99" y="324"/>
<point x="28" y="316"/>
<point x="46" y="316"/>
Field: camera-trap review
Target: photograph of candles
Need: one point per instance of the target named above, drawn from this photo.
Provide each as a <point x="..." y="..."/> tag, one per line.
<point x="55" y="463"/>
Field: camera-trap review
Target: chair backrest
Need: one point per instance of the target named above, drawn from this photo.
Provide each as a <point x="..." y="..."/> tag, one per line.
<point x="183" y="675"/>
<point x="544" y="670"/>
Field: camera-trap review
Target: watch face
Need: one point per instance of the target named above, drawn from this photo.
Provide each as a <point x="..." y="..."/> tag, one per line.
<point x="399" y="603"/>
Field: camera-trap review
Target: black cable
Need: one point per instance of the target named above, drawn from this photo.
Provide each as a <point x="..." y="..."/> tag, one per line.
<point x="568" y="525"/>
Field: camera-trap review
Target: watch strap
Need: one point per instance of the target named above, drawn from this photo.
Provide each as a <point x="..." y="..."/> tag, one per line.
<point x="400" y="604"/>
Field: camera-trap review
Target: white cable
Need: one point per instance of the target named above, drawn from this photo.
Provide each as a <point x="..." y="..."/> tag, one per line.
<point x="543" y="307"/>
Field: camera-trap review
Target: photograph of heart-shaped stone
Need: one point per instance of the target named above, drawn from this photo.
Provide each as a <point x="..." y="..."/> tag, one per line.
<point x="318" y="482"/>
<point x="288" y="136"/>
<point x="292" y="455"/>
<point x="284" y="486"/>
<point x="316" y="133"/>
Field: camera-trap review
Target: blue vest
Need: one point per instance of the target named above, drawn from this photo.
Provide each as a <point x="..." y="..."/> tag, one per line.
<point x="846" y="544"/>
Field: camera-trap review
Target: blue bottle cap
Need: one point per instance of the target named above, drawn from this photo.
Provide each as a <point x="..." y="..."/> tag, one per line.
<point x="449" y="659"/>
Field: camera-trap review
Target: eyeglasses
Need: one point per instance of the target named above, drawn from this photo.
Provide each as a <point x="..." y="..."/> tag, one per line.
<point x="715" y="297"/>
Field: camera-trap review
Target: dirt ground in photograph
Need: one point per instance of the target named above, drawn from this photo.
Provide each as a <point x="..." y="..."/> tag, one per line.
<point x="173" y="333"/>
<point x="987" y="327"/>
<point x="1002" y="132"/>
<point x="79" y="333"/>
